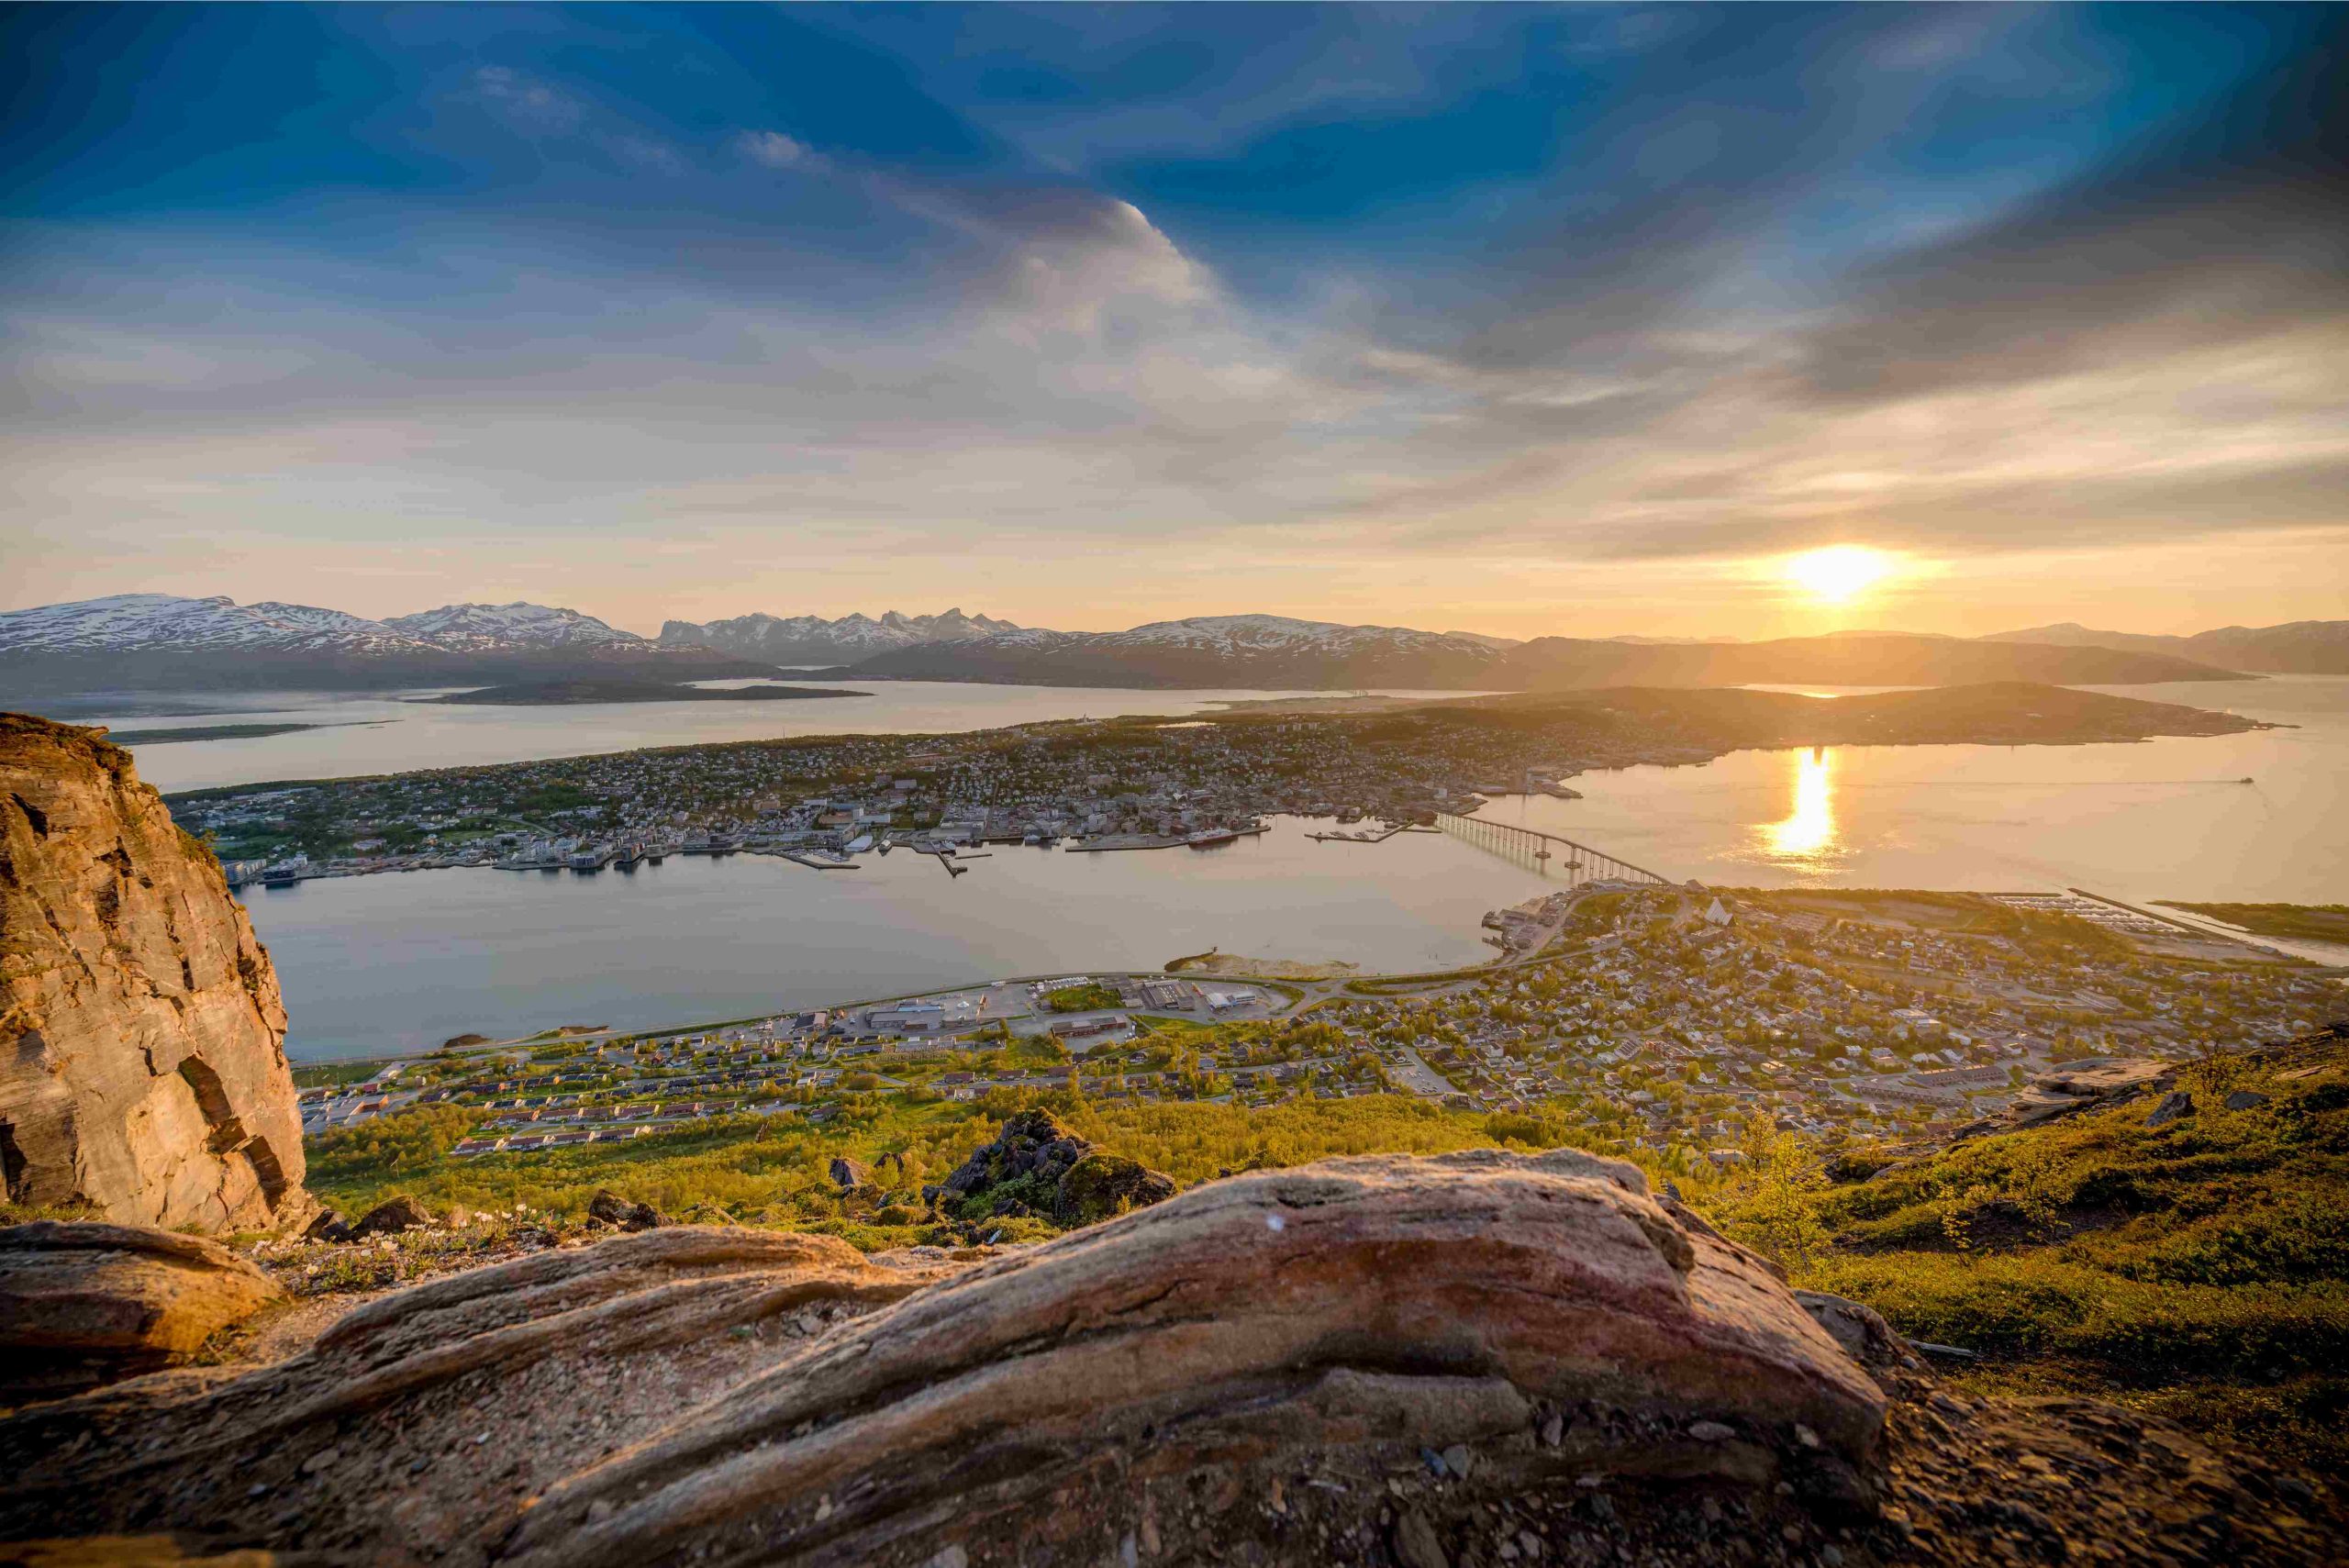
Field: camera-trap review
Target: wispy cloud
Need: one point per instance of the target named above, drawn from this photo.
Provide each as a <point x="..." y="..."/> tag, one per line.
<point x="773" y="150"/>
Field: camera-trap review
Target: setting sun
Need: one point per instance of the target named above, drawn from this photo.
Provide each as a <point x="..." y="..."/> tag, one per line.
<point x="1839" y="572"/>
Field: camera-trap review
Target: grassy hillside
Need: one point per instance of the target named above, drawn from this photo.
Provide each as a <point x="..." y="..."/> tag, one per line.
<point x="2200" y="1268"/>
<point x="773" y="1171"/>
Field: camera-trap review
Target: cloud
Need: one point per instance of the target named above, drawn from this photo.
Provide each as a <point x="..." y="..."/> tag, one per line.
<point x="527" y="103"/>
<point x="773" y="150"/>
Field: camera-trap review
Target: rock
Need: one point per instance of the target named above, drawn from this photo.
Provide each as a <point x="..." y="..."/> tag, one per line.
<point x="83" y="1303"/>
<point x="1398" y="1302"/>
<point x="1101" y="1185"/>
<point x="2245" y="1099"/>
<point x="1865" y="1337"/>
<point x="329" y="1225"/>
<point x="394" y="1214"/>
<point x="141" y="1063"/>
<point x="1416" y="1545"/>
<point x="2178" y="1103"/>
<point x="850" y="1174"/>
<point x="2106" y="1078"/>
<point x="613" y="1209"/>
<point x="1459" y="1459"/>
<point x="1711" y="1432"/>
<point x="1198" y="1327"/>
<point x="1036" y="1165"/>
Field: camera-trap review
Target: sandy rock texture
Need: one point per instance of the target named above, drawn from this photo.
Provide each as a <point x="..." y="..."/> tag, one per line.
<point x="84" y="1304"/>
<point x="141" y="1062"/>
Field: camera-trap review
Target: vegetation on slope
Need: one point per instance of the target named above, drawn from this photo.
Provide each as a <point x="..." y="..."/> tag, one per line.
<point x="2200" y="1268"/>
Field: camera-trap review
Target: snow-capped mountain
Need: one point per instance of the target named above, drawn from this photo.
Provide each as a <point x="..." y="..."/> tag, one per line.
<point x="1261" y="652"/>
<point x="124" y="623"/>
<point x="167" y="641"/>
<point x="1259" y="634"/>
<point x="812" y="639"/>
<point x="484" y="627"/>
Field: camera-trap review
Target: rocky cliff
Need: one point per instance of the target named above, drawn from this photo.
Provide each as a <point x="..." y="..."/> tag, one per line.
<point x="141" y="1065"/>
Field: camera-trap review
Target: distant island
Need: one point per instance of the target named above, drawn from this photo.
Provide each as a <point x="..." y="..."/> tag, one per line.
<point x="556" y="693"/>
<point x="258" y="732"/>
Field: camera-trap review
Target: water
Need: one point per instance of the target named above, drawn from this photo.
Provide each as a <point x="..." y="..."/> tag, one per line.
<point x="375" y="964"/>
<point x="380" y="733"/>
<point x="372" y="964"/>
<point x="2163" y="819"/>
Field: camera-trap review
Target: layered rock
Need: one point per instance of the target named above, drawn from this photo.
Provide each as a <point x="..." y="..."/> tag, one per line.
<point x="684" y="1393"/>
<point x="84" y="1304"/>
<point x="142" y="1064"/>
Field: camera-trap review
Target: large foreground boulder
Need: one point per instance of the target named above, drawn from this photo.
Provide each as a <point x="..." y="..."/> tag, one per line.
<point x="141" y="1068"/>
<point x="82" y="1304"/>
<point x="671" y="1395"/>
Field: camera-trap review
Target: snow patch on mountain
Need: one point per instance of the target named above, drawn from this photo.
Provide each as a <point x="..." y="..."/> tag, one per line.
<point x="1262" y="633"/>
<point x="481" y="627"/>
<point x="851" y="637"/>
<point x="122" y="623"/>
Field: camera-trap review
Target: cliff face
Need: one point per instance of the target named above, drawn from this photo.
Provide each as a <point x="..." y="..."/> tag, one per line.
<point x="141" y="1061"/>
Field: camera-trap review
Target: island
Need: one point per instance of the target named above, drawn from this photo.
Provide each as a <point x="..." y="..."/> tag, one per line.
<point x="258" y="732"/>
<point x="556" y="693"/>
<point x="1140" y="782"/>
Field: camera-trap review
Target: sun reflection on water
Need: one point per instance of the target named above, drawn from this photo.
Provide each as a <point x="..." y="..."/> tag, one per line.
<point x="1809" y="832"/>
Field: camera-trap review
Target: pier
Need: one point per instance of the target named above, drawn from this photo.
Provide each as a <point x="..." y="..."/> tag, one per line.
<point x="1549" y="853"/>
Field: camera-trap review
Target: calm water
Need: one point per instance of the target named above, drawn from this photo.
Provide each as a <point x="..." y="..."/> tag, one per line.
<point x="379" y="733"/>
<point x="378" y="964"/>
<point x="2159" y="820"/>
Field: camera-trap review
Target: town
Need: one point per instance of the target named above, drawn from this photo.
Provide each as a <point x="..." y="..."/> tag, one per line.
<point x="1673" y="1021"/>
<point x="1113" y="784"/>
<point x="1124" y="784"/>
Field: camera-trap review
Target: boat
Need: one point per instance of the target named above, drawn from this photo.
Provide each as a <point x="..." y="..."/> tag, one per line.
<point x="1206" y="838"/>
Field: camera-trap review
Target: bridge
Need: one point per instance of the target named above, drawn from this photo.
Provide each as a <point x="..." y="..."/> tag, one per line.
<point x="1549" y="853"/>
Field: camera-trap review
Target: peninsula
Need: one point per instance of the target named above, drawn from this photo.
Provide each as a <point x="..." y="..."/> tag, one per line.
<point x="564" y="693"/>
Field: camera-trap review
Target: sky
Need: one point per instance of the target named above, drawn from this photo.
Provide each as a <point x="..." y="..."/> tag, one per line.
<point x="1519" y="320"/>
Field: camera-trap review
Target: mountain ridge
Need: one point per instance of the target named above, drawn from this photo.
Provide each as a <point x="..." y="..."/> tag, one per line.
<point x="169" y="641"/>
<point x="2288" y="648"/>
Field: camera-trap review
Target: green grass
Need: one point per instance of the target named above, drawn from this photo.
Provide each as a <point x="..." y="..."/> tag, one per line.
<point x="2201" y="1268"/>
<point x="1087" y="998"/>
<point x="2198" y="1271"/>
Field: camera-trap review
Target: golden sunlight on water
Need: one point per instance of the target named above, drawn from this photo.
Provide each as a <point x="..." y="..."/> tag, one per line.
<point x="1809" y="832"/>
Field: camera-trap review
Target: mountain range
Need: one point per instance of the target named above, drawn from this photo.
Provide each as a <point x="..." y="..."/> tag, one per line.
<point x="2300" y="647"/>
<point x="811" y="640"/>
<point x="165" y="641"/>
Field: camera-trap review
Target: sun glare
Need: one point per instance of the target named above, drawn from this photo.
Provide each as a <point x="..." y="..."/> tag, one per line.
<point x="1839" y="573"/>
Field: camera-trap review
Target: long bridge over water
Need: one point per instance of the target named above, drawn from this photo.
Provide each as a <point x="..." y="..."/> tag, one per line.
<point x="1549" y="853"/>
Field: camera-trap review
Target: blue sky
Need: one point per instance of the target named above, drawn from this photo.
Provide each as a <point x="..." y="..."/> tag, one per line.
<point x="1522" y="318"/>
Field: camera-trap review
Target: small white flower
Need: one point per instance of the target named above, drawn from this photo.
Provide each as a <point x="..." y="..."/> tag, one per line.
<point x="1275" y="1224"/>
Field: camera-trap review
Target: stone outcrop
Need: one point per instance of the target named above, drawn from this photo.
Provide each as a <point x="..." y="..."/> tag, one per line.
<point x="1358" y="1310"/>
<point x="82" y="1304"/>
<point x="142" y="1064"/>
<point x="1034" y="1165"/>
<point x="1474" y="1359"/>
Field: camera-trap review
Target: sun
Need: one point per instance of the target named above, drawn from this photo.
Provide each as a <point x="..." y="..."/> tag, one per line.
<point x="1839" y="573"/>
